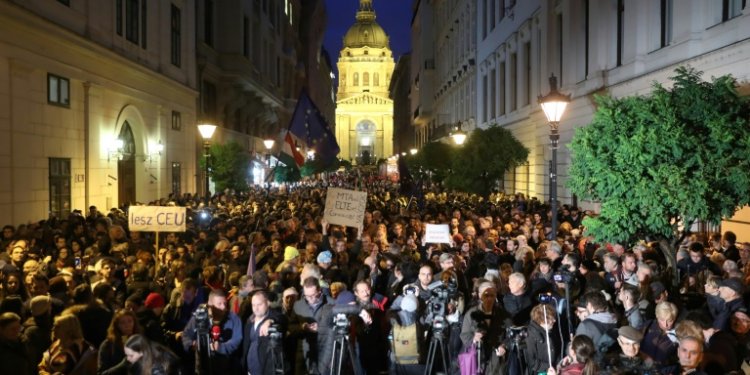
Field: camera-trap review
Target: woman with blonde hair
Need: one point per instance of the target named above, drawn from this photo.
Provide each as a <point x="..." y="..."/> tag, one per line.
<point x="69" y="353"/>
<point x="147" y="357"/>
<point x="111" y="353"/>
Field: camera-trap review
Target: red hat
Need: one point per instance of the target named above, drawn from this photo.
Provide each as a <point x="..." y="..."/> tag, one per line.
<point x="154" y="301"/>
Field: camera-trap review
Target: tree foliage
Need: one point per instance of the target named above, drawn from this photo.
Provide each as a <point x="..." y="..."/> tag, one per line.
<point x="283" y="174"/>
<point x="483" y="159"/>
<point x="653" y="161"/>
<point x="229" y="166"/>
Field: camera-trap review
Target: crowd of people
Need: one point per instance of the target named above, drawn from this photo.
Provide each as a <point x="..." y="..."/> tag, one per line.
<point x="260" y="283"/>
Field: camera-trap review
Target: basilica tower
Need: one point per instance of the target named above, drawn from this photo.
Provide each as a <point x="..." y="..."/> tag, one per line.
<point x="364" y="113"/>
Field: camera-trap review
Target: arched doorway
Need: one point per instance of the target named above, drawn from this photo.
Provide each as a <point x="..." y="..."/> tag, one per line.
<point x="126" y="167"/>
<point x="366" y="131"/>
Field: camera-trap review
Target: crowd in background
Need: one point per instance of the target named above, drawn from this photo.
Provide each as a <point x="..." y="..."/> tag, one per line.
<point x="84" y="295"/>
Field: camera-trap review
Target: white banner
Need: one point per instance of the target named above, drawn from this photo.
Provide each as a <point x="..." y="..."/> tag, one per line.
<point x="157" y="219"/>
<point x="437" y="233"/>
<point x="345" y="207"/>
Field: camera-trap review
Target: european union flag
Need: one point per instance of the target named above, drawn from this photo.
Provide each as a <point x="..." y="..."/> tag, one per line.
<point x="309" y="126"/>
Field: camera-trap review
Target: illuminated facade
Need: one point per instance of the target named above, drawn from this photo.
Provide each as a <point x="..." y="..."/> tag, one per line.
<point x="364" y="112"/>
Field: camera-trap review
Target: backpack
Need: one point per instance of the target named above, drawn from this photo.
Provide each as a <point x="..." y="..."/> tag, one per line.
<point x="607" y="337"/>
<point x="405" y="342"/>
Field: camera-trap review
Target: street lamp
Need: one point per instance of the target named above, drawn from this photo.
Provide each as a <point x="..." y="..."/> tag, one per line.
<point x="553" y="105"/>
<point x="413" y="151"/>
<point x="459" y="136"/>
<point x="207" y="131"/>
<point x="269" y="146"/>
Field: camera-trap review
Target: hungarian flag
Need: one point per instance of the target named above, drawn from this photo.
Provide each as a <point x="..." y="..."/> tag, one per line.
<point x="289" y="154"/>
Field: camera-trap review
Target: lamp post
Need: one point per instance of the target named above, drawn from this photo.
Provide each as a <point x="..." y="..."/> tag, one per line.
<point x="459" y="136"/>
<point x="269" y="146"/>
<point x="553" y="105"/>
<point x="207" y="131"/>
<point x="413" y="151"/>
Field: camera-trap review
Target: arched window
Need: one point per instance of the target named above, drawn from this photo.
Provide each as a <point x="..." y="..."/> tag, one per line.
<point x="356" y="79"/>
<point x="375" y="79"/>
<point x="365" y="79"/>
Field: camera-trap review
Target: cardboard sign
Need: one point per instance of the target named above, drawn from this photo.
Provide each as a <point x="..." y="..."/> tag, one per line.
<point x="437" y="233"/>
<point x="345" y="207"/>
<point x="157" y="219"/>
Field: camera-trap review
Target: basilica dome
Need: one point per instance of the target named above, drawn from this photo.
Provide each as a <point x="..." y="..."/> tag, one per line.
<point x="365" y="32"/>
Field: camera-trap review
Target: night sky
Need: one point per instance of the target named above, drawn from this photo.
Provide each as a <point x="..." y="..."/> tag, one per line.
<point x="394" y="16"/>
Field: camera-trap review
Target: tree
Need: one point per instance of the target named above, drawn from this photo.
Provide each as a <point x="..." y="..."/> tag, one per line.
<point x="229" y="166"/>
<point x="433" y="157"/>
<point x="283" y="174"/>
<point x="483" y="159"/>
<point x="656" y="163"/>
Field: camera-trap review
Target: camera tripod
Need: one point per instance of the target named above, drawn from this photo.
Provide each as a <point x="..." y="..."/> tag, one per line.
<point x="203" y="353"/>
<point x="277" y="356"/>
<point x="342" y="347"/>
<point x="437" y="343"/>
<point x="516" y="348"/>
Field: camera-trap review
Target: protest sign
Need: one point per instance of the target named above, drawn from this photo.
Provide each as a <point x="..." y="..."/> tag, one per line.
<point x="157" y="219"/>
<point x="437" y="233"/>
<point x="345" y="207"/>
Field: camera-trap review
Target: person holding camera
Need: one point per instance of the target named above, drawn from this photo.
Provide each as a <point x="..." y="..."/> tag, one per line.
<point x="261" y="346"/>
<point x="225" y="330"/>
<point x="543" y="346"/>
<point x="483" y="324"/>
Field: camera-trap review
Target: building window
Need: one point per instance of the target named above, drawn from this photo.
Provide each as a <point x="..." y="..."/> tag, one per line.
<point x="132" y="15"/>
<point x="501" y="89"/>
<point x="512" y="82"/>
<point x="665" y="21"/>
<point x="59" y="187"/>
<point x="375" y="79"/>
<point x="176" y="36"/>
<point x="176" y="121"/>
<point x="485" y="111"/>
<point x="58" y="90"/>
<point x="209" y="99"/>
<point x="246" y="37"/>
<point x="527" y="73"/>
<point x="620" y="31"/>
<point x="493" y="93"/>
<point x="208" y="23"/>
<point x="176" y="179"/>
<point x="365" y="79"/>
<point x="356" y="79"/>
<point x="731" y="9"/>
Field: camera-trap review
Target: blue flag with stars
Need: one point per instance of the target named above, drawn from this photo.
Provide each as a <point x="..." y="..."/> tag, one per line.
<point x="310" y="127"/>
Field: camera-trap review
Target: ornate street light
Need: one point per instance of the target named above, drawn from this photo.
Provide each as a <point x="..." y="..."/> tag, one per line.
<point x="207" y="131"/>
<point x="459" y="136"/>
<point x="413" y="151"/>
<point x="553" y="105"/>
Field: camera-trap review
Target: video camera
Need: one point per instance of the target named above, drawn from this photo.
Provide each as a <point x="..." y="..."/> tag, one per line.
<point x="202" y="320"/>
<point x="517" y="333"/>
<point x="341" y="314"/>
<point x="441" y="292"/>
<point x="563" y="275"/>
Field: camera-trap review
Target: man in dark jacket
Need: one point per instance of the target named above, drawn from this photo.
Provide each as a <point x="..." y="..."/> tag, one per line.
<point x="311" y="314"/>
<point x="13" y="355"/>
<point x="696" y="262"/>
<point x="518" y="302"/>
<point x="261" y="354"/>
<point x="541" y="335"/>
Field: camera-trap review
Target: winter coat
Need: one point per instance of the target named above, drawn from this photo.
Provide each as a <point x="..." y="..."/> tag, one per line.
<point x="15" y="359"/>
<point x="536" y="348"/>
<point x="590" y="329"/>
<point x="657" y="344"/>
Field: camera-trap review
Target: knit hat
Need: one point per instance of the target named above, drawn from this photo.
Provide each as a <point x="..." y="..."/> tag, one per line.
<point x="409" y="303"/>
<point x="40" y="305"/>
<point x="630" y="333"/>
<point x="154" y="301"/>
<point x="346" y="297"/>
<point x="290" y="252"/>
<point x="325" y="257"/>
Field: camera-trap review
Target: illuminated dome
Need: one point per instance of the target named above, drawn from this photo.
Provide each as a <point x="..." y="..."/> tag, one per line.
<point x="365" y="32"/>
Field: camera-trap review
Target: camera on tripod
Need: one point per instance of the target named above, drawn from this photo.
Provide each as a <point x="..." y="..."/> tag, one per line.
<point x="547" y="298"/>
<point x="274" y="332"/>
<point x="202" y="320"/>
<point x="517" y="333"/>
<point x="341" y="314"/>
<point x="563" y="276"/>
<point x="440" y="294"/>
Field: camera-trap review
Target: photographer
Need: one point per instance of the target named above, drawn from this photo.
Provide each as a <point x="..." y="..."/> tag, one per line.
<point x="263" y="326"/>
<point x="540" y="338"/>
<point x="484" y="323"/>
<point x="225" y="329"/>
<point x="371" y="329"/>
